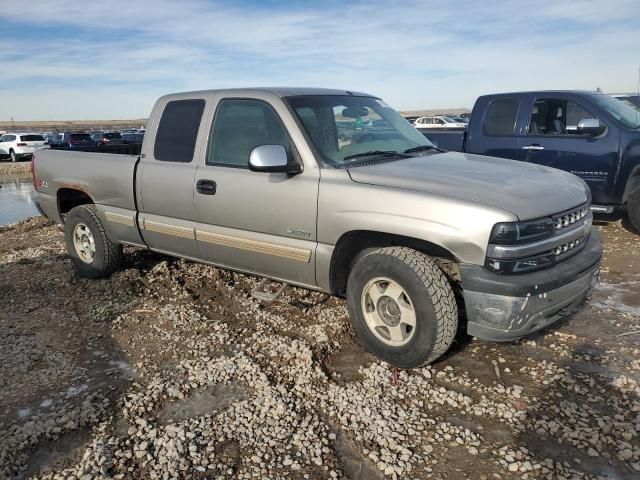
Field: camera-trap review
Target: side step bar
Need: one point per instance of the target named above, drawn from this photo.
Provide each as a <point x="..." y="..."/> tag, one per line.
<point x="265" y="296"/>
<point x="602" y="208"/>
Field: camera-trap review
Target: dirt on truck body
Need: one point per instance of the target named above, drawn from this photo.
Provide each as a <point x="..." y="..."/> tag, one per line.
<point x="169" y="369"/>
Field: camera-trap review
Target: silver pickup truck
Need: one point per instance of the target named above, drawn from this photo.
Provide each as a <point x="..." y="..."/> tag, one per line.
<point x="333" y="190"/>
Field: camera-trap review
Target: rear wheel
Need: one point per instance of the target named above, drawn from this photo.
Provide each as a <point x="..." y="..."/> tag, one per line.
<point x="93" y="254"/>
<point x="633" y="209"/>
<point x="402" y="306"/>
<point x="12" y="155"/>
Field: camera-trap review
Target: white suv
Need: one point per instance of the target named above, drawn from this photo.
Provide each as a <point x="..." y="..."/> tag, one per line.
<point x="18" y="146"/>
<point x="439" y="121"/>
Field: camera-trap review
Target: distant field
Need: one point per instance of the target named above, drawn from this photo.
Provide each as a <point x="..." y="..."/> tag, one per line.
<point x="48" y="125"/>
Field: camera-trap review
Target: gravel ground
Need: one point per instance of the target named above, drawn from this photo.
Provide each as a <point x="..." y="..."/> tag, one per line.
<point x="170" y="370"/>
<point x="18" y="169"/>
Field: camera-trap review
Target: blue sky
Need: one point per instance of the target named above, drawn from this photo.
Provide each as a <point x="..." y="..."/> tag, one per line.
<point x="107" y="60"/>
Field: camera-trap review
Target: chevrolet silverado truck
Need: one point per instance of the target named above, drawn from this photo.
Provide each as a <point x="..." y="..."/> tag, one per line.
<point x="420" y="242"/>
<point x="592" y="135"/>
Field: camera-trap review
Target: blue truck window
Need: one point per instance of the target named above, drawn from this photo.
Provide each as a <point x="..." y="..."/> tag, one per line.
<point x="178" y="131"/>
<point x="556" y="116"/>
<point x="501" y="116"/>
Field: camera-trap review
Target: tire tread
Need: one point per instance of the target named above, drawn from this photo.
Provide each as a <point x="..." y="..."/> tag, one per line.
<point x="440" y="291"/>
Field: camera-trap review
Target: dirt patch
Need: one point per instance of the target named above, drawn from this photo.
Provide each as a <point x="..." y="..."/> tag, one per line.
<point x="170" y="369"/>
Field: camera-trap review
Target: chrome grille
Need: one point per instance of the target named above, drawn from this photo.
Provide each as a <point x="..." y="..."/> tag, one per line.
<point x="560" y="249"/>
<point x="567" y="219"/>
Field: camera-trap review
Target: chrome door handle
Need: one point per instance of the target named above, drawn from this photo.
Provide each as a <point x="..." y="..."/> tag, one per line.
<point x="533" y="147"/>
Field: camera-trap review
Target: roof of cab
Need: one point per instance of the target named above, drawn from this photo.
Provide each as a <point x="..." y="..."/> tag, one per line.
<point x="279" y="91"/>
<point x="538" y="92"/>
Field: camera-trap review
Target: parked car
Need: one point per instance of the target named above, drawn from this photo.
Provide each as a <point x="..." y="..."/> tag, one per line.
<point x="400" y="228"/>
<point x="440" y="121"/>
<point x="591" y="135"/>
<point x="107" y="138"/>
<point x="73" y="140"/>
<point x="20" y="146"/>
<point x="132" y="137"/>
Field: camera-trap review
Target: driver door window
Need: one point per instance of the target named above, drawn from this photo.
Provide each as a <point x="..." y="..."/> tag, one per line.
<point x="240" y="126"/>
<point x="556" y="117"/>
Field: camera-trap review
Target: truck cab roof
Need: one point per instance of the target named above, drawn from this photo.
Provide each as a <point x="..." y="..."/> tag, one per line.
<point x="278" y="91"/>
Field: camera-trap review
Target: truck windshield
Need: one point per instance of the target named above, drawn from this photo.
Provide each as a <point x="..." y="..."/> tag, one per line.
<point x="344" y="128"/>
<point x="623" y="112"/>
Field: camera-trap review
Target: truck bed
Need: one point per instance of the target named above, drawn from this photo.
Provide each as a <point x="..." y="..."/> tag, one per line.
<point x="107" y="178"/>
<point x="446" y="139"/>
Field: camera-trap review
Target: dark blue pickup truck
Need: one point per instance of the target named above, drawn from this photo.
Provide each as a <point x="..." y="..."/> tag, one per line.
<point x="591" y="135"/>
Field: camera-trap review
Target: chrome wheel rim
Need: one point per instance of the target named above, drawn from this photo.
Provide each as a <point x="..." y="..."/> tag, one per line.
<point x="83" y="243"/>
<point x="388" y="311"/>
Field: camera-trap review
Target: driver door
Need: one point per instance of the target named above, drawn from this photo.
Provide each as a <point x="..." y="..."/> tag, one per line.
<point x="552" y="140"/>
<point x="257" y="222"/>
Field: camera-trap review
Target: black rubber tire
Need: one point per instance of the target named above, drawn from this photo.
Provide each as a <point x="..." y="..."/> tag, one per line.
<point x="108" y="255"/>
<point x="432" y="297"/>
<point x="633" y="209"/>
<point x="12" y="156"/>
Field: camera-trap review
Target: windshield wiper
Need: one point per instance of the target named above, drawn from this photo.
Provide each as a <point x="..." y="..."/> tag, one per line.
<point x="379" y="153"/>
<point x="419" y="148"/>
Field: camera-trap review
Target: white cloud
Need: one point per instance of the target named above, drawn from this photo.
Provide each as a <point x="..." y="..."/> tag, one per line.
<point x="112" y="57"/>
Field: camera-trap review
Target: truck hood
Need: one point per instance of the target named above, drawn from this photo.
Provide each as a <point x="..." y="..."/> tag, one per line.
<point x="527" y="190"/>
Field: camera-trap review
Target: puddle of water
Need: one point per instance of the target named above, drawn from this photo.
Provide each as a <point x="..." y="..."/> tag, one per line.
<point x="203" y="402"/>
<point x="16" y="202"/>
<point x="618" y="298"/>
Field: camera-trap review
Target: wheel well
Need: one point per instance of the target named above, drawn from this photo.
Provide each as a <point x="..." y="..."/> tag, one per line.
<point x="351" y="244"/>
<point x="69" y="198"/>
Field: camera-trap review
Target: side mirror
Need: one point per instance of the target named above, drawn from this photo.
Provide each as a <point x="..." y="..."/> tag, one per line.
<point x="272" y="158"/>
<point x="590" y="126"/>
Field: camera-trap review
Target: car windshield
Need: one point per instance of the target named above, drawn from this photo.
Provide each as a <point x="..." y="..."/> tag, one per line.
<point x="344" y="128"/>
<point x="448" y="120"/>
<point x="623" y="112"/>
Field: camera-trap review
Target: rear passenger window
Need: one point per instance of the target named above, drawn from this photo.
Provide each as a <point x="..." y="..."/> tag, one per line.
<point x="501" y="117"/>
<point x="178" y="131"/>
<point x="240" y="126"/>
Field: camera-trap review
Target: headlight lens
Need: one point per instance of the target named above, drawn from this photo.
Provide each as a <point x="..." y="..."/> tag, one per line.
<point x="521" y="232"/>
<point x="522" y="265"/>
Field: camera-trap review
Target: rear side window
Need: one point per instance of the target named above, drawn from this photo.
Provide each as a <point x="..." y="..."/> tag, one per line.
<point x="501" y="117"/>
<point x="178" y="131"/>
<point x="31" y="138"/>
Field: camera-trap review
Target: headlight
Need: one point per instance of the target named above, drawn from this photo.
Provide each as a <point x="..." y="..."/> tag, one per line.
<point x="522" y="265"/>
<point x="521" y="232"/>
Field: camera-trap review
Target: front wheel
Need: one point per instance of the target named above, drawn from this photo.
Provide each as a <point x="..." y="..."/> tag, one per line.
<point x="402" y="306"/>
<point x="633" y="209"/>
<point x="93" y="254"/>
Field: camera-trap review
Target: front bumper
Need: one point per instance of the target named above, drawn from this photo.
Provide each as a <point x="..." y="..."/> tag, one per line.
<point x="507" y="307"/>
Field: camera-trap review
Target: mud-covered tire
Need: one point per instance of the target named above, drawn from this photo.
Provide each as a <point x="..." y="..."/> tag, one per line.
<point x="428" y="292"/>
<point x="633" y="209"/>
<point x="107" y="255"/>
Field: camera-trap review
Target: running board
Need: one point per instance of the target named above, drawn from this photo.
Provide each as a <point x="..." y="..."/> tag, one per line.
<point x="265" y="296"/>
<point x="602" y="208"/>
